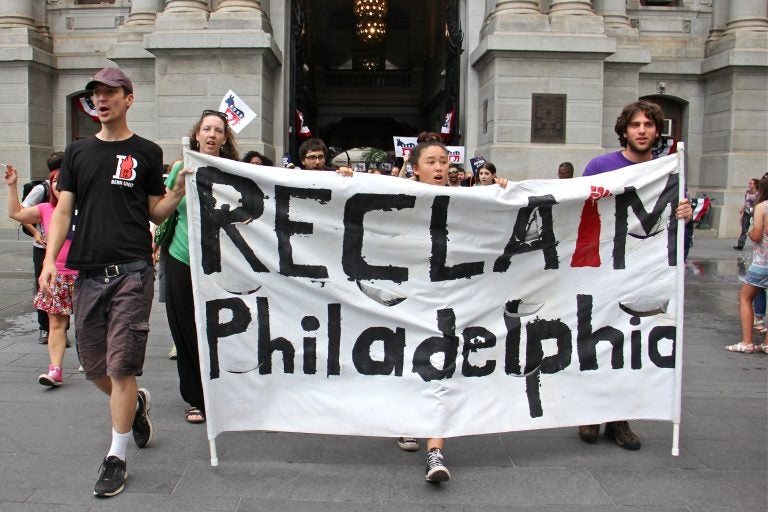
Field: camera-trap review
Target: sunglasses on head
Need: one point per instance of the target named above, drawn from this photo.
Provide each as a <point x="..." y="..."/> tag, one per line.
<point x="220" y="115"/>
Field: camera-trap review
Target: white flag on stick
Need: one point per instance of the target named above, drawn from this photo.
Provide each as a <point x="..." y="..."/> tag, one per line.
<point x="238" y="113"/>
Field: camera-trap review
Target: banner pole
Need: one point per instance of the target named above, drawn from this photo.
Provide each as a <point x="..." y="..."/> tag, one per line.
<point x="185" y="156"/>
<point x="679" y="305"/>
<point x="214" y="455"/>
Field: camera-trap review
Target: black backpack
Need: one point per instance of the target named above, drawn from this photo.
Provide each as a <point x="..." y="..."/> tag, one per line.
<point x="27" y="188"/>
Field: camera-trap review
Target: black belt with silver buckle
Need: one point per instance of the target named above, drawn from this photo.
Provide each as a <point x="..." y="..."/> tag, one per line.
<point x="117" y="270"/>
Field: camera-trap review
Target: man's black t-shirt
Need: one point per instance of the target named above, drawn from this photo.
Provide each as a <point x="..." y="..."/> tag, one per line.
<point x="112" y="182"/>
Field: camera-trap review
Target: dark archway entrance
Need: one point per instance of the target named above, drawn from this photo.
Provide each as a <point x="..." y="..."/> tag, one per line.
<point x="357" y="94"/>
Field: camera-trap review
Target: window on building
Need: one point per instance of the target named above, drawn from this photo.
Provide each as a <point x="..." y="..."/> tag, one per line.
<point x="84" y="121"/>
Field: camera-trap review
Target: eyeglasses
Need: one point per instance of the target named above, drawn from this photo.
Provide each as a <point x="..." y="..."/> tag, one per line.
<point x="220" y="115"/>
<point x="315" y="158"/>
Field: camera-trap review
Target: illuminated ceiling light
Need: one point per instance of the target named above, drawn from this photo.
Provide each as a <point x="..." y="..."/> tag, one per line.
<point x="371" y="30"/>
<point x="370" y="64"/>
<point x="370" y="8"/>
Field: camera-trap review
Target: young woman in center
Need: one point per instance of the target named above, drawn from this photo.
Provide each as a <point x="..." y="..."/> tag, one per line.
<point x="429" y="161"/>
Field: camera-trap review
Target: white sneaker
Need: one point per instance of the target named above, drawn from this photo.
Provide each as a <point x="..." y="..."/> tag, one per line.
<point x="409" y="444"/>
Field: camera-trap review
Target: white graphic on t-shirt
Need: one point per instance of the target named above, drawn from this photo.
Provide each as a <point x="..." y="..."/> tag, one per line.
<point x="125" y="173"/>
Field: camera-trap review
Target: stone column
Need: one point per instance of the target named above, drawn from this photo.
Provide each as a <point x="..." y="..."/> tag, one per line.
<point x="184" y="15"/>
<point x="26" y="71"/>
<point x="747" y="16"/>
<point x="571" y="7"/>
<point x="201" y="54"/>
<point x="513" y="16"/>
<point x="524" y="52"/>
<point x="130" y="37"/>
<point x="575" y="16"/>
<point x="143" y="12"/>
<point x="239" y="5"/>
<point x="614" y="13"/>
<point x="517" y="7"/>
<point x="179" y="6"/>
<point x="41" y="19"/>
<point x="719" y="19"/>
<point x="239" y="14"/>
<point x="17" y="14"/>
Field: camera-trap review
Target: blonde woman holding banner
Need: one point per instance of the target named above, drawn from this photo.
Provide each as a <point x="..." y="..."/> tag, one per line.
<point x="213" y="136"/>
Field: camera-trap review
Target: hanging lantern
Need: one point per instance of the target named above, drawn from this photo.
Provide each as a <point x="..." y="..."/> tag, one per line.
<point x="371" y="30"/>
<point x="370" y="8"/>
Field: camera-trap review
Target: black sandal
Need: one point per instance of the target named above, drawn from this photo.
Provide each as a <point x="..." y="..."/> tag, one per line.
<point x="194" y="415"/>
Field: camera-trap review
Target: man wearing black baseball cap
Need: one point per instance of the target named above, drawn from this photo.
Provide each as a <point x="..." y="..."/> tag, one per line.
<point x="116" y="179"/>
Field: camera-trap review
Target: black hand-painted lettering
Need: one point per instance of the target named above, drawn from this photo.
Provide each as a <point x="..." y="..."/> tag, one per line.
<point x="438" y="232"/>
<point x="536" y="332"/>
<point x="334" y="339"/>
<point x="648" y="221"/>
<point x="658" y="333"/>
<point x="521" y="241"/>
<point x="213" y="220"/>
<point x="394" y="351"/>
<point x="448" y="343"/>
<point x="267" y="345"/>
<point x="636" y="346"/>
<point x="241" y="319"/>
<point x="310" y="324"/>
<point x="352" y="259"/>
<point x="512" y="345"/>
<point x="586" y="341"/>
<point x="285" y="228"/>
<point x="476" y="338"/>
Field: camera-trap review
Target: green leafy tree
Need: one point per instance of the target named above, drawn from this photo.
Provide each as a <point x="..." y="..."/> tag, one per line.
<point x="374" y="156"/>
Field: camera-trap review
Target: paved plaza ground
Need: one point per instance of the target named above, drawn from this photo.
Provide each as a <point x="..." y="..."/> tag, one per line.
<point x="51" y="440"/>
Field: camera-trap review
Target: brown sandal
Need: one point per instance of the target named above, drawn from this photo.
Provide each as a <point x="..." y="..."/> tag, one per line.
<point x="194" y="415"/>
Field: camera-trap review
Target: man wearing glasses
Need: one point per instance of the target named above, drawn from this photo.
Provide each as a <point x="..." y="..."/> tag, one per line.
<point x="312" y="154"/>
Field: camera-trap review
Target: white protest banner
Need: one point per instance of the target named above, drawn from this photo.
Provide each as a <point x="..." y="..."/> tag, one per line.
<point x="404" y="145"/>
<point x="379" y="306"/>
<point x="238" y="113"/>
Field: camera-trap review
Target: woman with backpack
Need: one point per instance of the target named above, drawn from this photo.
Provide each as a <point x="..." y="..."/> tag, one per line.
<point x="58" y="305"/>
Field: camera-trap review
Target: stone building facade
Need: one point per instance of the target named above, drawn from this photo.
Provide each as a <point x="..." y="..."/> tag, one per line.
<point x="534" y="82"/>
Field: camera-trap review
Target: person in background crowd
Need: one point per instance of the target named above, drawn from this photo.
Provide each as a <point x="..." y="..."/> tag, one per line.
<point x="486" y="174"/>
<point x="160" y="257"/>
<point x="757" y="274"/>
<point x="58" y="306"/>
<point x="565" y="170"/>
<point x="256" y="158"/>
<point x="397" y="167"/>
<point x="462" y="174"/>
<point x="639" y="128"/>
<point x="211" y="135"/>
<point x="453" y="176"/>
<point x="313" y="153"/>
<point x="750" y="196"/>
<point x="116" y="180"/>
<point x="41" y="193"/>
